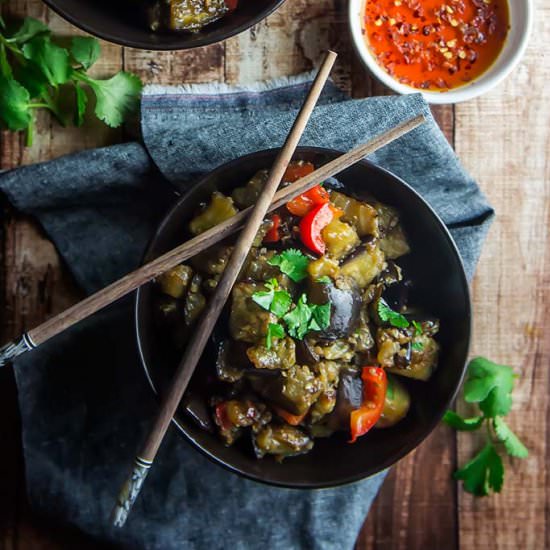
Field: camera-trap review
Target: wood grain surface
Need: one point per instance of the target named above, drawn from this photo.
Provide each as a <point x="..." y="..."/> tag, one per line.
<point x="502" y="138"/>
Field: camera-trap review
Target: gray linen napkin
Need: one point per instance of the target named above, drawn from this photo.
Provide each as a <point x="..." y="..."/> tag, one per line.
<point x="83" y="399"/>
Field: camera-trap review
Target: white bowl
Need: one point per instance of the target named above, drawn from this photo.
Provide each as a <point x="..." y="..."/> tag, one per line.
<point x="521" y="16"/>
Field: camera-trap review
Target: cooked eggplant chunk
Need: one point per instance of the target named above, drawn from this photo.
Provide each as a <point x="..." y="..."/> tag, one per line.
<point x="281" y="441"/>
<point x="364" y="265"/>
<point x="307" y="337"/>
<point x="248" y="322"/>
<point x="345" y="302"/>
<point x="396" y="404"/>
<point x="175" y="281"/>
<point x="340" y="239"/>
<point x="281" y="355"/>
<point x="221" y="208"/>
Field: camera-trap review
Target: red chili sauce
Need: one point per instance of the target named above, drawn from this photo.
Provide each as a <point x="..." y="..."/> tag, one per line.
<point x="436" y="44"/>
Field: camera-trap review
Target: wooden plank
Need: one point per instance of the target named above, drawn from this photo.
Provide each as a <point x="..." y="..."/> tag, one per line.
<point x="34" y="283"/>
<point x="504" y="139"/>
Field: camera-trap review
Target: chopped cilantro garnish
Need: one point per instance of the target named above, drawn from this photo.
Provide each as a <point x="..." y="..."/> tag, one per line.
<point x="388" y="315"/>
<point x="274" y="330"/>
<point x="490" y="386"/>
<point x="291" y="262"/>
<point x="307" y="317"/>
<point x="274" y="300"/>
<point x="417" y="328"/>
<point x="325" y="279"/>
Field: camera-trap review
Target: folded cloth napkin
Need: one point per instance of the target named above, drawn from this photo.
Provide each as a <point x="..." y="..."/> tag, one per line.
<point x="84" y="401"/>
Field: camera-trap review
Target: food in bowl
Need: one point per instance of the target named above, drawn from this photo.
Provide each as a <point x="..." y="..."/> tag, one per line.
<point x="185" y="15"/>
<point x="436" y="44"/>
<point x="319" y="328"/>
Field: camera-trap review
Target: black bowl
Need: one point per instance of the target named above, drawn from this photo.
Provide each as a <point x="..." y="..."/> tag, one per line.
<point x="111" y="21"/>
<point x="440" y="288"/>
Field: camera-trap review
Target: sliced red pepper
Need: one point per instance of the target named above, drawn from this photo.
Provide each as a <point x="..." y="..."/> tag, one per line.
<point x="231" y="4"/>
<point x="302" y="204"/>
<point x="273" y="235"/>
<point x="297" y="170"/>
<point x="292" y="419"/>
<point x="375" y="384"/>
<point x="312" y="224"/>
<point x="222" y="418"/>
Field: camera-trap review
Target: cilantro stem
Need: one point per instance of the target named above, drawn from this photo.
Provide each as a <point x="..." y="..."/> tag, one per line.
<point x="38" y="106"/>
<point x="50" y="104"/>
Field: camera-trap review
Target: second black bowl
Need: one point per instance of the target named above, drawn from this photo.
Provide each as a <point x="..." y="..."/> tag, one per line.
<point x="440" y="288"/>
<point x="115" y="21"/>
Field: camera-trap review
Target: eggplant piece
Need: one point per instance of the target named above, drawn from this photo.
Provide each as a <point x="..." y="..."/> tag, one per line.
<point x="340" y="239"/>
<point x="197" y="409"/>
<point x="175" y="281"/>
<point x="248" y="322"/>
<point x="424" y="356"/>
<point x="391" y="275"/>
<point x="361" y="340"/>
<point x="194" y="301"/>
<point x="362" y="216"/>
<point x="219" y="209"/>
<point x="305" y="352"/>
<point x="234" y="415"/>
<point x="294" y="389"/>
<point x="364" y="265"/>
<point x="349" y="397"/>
<point x="323" y="267"/>
<point x="247" y="195"/>
<point x="345" y="302"/>
<point x="396" y="405"/>
<point x="231" y="361"/>
<point x="281" y="441"/>
<point x="193" y="15"/>
<point x="282" y="355"/>
<point x="390" y="343"/>
<point x="324" y="405"/>
<point x="394" y="244"/>
<point x="335" y="350"/>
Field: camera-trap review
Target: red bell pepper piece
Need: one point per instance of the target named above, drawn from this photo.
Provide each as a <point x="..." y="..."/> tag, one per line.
<point x="302" y="204"/>
<point x="312" y="224"/>
<point x="297" y="170"/>
<point x="292" y="419"/>
<point x="231" y="4"/>
<point x="375" y="384"/>
<point x="273" y="235"/>
<point x="222" y="418"/>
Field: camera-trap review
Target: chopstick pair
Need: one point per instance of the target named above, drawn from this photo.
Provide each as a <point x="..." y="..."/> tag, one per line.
<point x="94" y="303"/>
<point x="268" y="200"/>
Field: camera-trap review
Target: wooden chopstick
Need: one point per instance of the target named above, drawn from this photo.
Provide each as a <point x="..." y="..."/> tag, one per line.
<point x="202" y="332"/>
<point x="66" y="319"/>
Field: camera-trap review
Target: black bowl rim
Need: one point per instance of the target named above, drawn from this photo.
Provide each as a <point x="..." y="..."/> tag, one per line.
<point x="170" y="46"/>
<point x="397" y="456"/>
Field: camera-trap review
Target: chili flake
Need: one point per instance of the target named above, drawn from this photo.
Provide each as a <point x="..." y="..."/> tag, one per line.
<point x="436" y="44"/>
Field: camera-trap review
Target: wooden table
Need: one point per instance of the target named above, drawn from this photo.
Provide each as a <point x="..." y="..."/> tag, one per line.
<point x="502" y="138"/>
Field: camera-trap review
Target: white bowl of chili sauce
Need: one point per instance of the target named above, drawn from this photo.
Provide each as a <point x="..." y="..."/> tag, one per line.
<point x="448" y="50"/>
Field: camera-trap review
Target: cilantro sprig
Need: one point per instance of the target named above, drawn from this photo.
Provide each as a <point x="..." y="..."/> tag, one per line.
<point x="36" y="72"/>
<point x="388" y="315"/>
<point x="489" y="385"/>
<point x="292" y="263"/>
<point x="299" y="320"/>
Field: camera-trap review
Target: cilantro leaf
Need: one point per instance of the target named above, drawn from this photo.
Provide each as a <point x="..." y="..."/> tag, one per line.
<point x="81" y="103"/>
<point x="490" y="385"/>
<point x="388" y="315"/>
<point x="511" y="442"/>
<point x="325" y="279"/>
<point x="85" y="50"/>
<point x="53" y="60"/>
<point x="417" y="328"/>
<point x="116" y="97"/>
<point x="417" y="346"/>
<point x="298" y="319"/>
<point x="14" y="104"/>
<point x="273" y="331"/>
<point x="29" y="29"/>
<point x="483" y="473"/>
<point x="274" y="300"/>
<point x="291" y="262"/>
<point x="321" y="316"/>
<point x="463" y="424"/>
